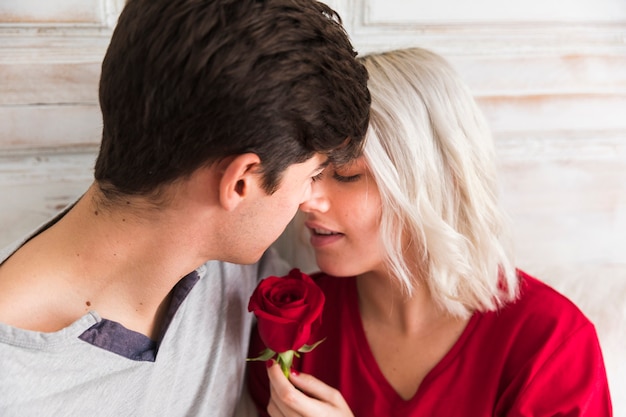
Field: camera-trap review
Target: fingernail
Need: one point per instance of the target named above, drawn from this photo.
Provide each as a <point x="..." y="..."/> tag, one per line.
<point x="269" y="363"/>
<point x="294" y="372"/>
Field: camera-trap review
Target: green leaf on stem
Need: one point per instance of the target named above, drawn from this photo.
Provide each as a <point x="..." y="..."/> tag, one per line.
<point x="267" y="354"/>
<point x="308" y="348"/>
<point x="285" y="359"/>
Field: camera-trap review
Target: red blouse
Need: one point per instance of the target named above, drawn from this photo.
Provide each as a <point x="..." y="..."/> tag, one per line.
<point x="536" y="357"/>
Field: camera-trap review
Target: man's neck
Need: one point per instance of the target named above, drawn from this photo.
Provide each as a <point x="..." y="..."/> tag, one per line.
<point x="113" y="261"/>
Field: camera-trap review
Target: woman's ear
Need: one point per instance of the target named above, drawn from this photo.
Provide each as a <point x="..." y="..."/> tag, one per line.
<point x="240" y="176"/>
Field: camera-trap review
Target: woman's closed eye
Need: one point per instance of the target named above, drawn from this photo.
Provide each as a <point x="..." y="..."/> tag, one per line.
<point x="346" y="178"/>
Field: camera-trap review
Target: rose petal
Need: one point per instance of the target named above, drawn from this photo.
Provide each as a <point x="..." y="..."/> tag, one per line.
<point x="287" y="309"/>
<point x="279" y="338"/>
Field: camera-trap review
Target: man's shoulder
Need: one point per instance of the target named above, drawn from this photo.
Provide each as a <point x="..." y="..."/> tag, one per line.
<point x="25" y="289"/>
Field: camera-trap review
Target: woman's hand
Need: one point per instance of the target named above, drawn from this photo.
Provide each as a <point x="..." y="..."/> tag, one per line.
<point x="303" y="395"/>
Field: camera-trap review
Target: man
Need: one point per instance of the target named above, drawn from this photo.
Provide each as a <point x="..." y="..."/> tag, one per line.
<point x="217" y="115"/>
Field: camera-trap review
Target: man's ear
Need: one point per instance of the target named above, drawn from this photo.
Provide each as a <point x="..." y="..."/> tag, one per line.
<point x="239" y="177"/>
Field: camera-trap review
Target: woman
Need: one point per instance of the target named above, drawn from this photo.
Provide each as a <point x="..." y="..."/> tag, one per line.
<point x="425" y="314"/>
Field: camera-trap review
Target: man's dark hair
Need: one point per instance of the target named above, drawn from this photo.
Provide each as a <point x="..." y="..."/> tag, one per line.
<point x="187" y="82"/>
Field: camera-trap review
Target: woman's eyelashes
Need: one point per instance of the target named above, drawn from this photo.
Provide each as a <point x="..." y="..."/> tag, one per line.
<point x="346" y="178"/>
<point x="337" y="177"/>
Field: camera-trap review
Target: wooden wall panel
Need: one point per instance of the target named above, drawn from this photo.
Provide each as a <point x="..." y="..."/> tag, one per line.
<point x="50" y="57"/>
<point x="59" y="13"/>
<point x="49" y="83"/>
<point x="568" y="209"/>
<point x="54" y="12"/>
<point x="35" y="185"/>
<point x="50" y="126"/>
<point x="494" y="11"/>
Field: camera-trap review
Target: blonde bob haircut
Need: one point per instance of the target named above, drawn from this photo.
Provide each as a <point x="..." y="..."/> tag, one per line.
<point x="432" y="156"/>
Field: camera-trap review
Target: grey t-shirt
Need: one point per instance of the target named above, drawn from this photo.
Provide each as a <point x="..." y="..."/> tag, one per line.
<point x="96" y="367"/>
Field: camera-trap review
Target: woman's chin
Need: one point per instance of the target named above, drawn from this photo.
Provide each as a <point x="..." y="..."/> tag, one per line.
<point x="336" y="268"/>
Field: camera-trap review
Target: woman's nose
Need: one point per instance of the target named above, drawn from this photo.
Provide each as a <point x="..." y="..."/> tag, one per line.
<point x="317" y="201"/>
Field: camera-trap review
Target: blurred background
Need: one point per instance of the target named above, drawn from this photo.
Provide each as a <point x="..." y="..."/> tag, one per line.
<point x="549" y="75"/>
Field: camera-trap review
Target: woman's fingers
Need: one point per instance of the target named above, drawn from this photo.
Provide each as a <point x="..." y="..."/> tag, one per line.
<point x="284" y="397"/>
<point x="303" y="395"/>
<point x="315" y="388"/>
<point x="273" y="410"/>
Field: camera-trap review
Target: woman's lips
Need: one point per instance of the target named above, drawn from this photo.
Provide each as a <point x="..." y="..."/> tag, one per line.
<point x="321" y="236"/>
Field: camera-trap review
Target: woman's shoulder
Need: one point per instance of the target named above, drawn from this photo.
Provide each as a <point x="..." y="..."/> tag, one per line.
<point x="542" y="341"/>
<point x="538" y="297"/>
<point x="540" y="310"/>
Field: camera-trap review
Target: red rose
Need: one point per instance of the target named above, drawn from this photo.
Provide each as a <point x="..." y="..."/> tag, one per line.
<point x="287" y="309"/>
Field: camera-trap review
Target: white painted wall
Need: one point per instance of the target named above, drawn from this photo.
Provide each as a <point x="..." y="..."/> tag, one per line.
<point x="550" y="76"/>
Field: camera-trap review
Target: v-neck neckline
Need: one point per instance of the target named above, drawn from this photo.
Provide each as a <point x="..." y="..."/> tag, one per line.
<point x="371" y="365"/>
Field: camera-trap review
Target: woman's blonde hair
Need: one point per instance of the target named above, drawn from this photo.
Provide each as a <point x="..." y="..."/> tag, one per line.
<point x="432" y="155"/>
